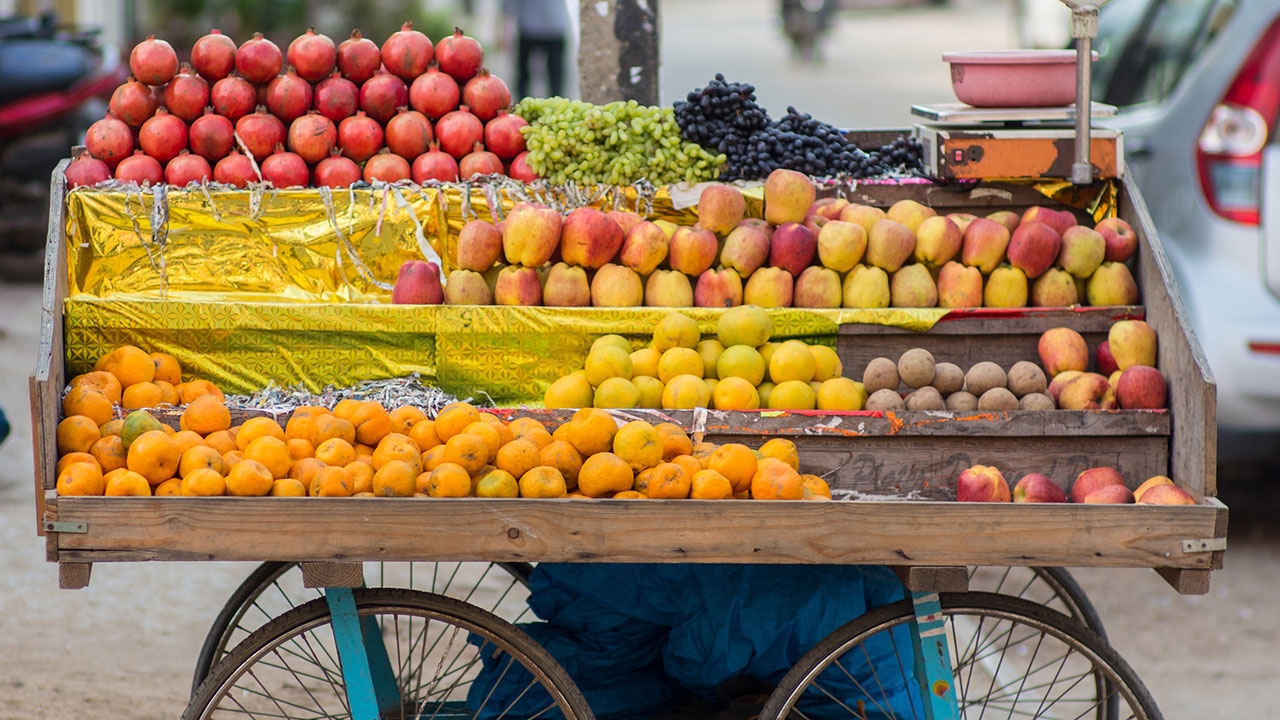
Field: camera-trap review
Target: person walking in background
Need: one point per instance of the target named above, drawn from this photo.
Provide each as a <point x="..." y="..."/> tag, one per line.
<point x="540" y="29"/>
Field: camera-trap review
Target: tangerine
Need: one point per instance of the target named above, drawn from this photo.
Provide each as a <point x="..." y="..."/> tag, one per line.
<point x="736" y="462"/>
<point x="423" y="434"/>
<point x="710" y="485"/>
<point x="782" y="449"/>
<point x="396" y="479"/>
<point x="287" y="487"/>
<point x="154" y="456"/>
<point x="122" y="483"/>
<point x="638" y="444"/>
<point x="468" y="450"/>
<point x="76" y="457"/>
<point x="453" y="417"/>
<point x="776" y="480"/>
<point x="272" y="452"/>
<point x="109" y="452"/>
<point x="564" y="458"/>
<point x="141" y="395"/>
<point x="257" y="427"/>
<point x="81" y="478"/>
<point x="77" y="433"/>
<point x="449" y="480"/>
<point x="669" y="482"/>
<point x="675" y="441"/>
<point x="85" y="400"/>
<point x="603" y="474"/>
<point x="249" y="478"/>
<point x="205" y="414"/>
<point x="518" y="457"/>
<point x="405" y="417"/>
<point x="102" y="381"/>
<point x="203" y="482"/>
<point x="543" y="482"/>
<point x="332" y="482"/>
<point x="497" y="483"/>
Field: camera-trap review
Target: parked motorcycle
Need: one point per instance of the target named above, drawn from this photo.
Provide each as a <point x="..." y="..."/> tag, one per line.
<point x="805" y="22"/>
<point x="54" y="83"/>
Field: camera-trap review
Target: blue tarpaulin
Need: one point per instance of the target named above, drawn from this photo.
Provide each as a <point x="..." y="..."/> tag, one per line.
<point x="638" y="637"/>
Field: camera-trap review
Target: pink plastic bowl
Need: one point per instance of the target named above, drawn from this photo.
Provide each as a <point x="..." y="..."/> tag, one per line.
<point x="1014" y="78"/>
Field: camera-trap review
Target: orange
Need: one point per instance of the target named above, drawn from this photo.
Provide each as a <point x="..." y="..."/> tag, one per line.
<point x="638" y="444"/>
<point x="167" y="368"/>
<point x="201" y="457"/>
<point x="703" y="451"/>
<point x="498" y="424"/>
<point x="76" y="457"/>
<point x="539" y="436"/>
<point x="154" y="456"/>
<point x="185" y="440"/>
<point x="542" y="482"/>
<point x="468" y="450"/>
<point x="109" y="452"/>
<point x="449" y="480"/>
<point x="229" y="459"/>
<point x="114" y="426"/>
<point x="518" y="457"/>
<point x="203" y="482"/>
<point x="257" y="427"/>
<point x="129" y="364"/>
<point x="249" y="478"/>
<point x="169" y="488"/>
<point x="420" y="484"/>
<point x="496" y="484"/>
<point x="299" y="448"/>
<point x="361" y="477"/>
<point x="520" y="426"/>
<point x="168" y="393"/>
<point x="735" y="461"/>
<point x="423" y="434"/>
<point x="674" y="440"/>
<point x="397" y="447"/>
<point x="305" y="470"/>
<point x="91" y="403"/>
<point x="287" y="487"/>
<point x="369" y="418"/>
<point x="710" y="485"/>
<point x="776" y="480"/>
<point x="395" y="479"/>
<point x="222" y="441"/>
<point x="331" y="482"/>
<point x="168" y="430"/>
<point x="121" y="483"/>
<point x="630" y="495"/>
<point x="432" y="458"/>
<point x="330" y="426"/>
<point x="784" y="450"/>
<point x="192" y="389"/>
<point x="77" y="433"/>
<point x="102" y="381"/>
<point x="405" y="417"/>
<point x="272" y="453"/>
<point x="81" y="478"/>
<point x="564" y="458"/>
<point x="815" y="488"/>
<point x="335" y="451"/>
<point x="641" y="484"/>
<point x="364" y="452"/>
<point x="590" y="431"/>
<point x="690" y="464"/>
<point x="141" y="395"/>
<point x="453" y="417"/>
<point x="486" y="432"/>
<point x="302" y="423"/>
<point x="604" y="474"/>
<point x="669" y="482"/>
<point x="206" y="414"/>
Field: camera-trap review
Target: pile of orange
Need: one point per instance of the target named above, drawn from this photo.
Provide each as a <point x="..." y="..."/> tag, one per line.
<point x="362" y="449"/>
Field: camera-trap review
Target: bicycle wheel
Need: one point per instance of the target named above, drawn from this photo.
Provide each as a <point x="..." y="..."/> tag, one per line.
<point x="445" y="656"/>
<point x="273" y="588"/>
<point x="1010" y="657"/>
<point x="1052" y="587"/>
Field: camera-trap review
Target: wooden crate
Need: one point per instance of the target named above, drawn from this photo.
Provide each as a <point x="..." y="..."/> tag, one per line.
<point x="885" y="458"/>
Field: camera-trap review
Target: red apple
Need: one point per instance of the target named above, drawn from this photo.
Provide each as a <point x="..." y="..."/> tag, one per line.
<point x="1090" y="480"/>
<point x="1149" y="483"/>
<point x="1088" y="391"/>
<point x="1109" y="495"/>
<point x="418" y="283"/>
<point x="1062" y="348"/>
<point x="982" y="483"/>
<point x="1166" y="494"/>
<point x="1038" y="487"/>
<point x="792" y="248"/>
<point x="1034" y="247"/>
<point x="1142" y="388"/>
<point x="1122" y="241"/>
<point x="1106" y="361"/>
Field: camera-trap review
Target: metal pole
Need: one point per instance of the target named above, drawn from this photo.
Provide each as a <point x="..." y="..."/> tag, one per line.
<point x="1084" y="27"/>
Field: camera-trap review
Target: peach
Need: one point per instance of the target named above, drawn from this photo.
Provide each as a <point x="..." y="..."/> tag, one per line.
<point x="984" y="245"/>
<point x="1093" y="478"/>
<point x="889" y="244"/>
<point x="479" y="245"/>
<point x="959" y="286"/>
<point x="1034" y="247"/>
<point x="668" y="288"/>
<point x="1141" y="388"/>
<point x="1132" y="342"/>
<point x="1038" y="488"/>
<point x="866" y="287"/>
<point x="792" y="247"/>
<point x="566" y="286"/>
<point x="467" y="287"/>
<point x="817" y="287"/>
<point x="787" y="196"/>
<point x="518" y="285"/>
<point x="1062" y="348"/>
<point x="841" y="245"/>
<point x="982" y="483"/>
<point x="746" y="248"/>
<point x="617" y="286"/>
<point x="644" y="248"/>
<point x="1120" y="239"/>
<point x="938" y="239"/>
<point x="692" y="249"/>
<point x="589" y="238"/>
<point x="911" y="286"/>
<point x="718" y="288"/>
<point x="769" y="287"/>
<point x="721" y="208"/>
<point x="531" y="234"/>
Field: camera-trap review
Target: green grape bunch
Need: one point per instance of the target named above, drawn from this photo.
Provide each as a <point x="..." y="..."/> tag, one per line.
<point x="619" y="143"/>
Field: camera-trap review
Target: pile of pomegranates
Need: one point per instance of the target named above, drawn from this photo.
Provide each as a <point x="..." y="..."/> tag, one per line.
<point x="318" y="114"/>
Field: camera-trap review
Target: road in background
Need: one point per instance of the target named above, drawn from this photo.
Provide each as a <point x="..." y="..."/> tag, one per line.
<point x="125" y="646"/>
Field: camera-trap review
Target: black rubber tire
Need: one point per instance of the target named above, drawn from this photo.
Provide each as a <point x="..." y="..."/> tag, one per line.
<point x="297" y="637"/>
<point x="1085" y="650"/>
<point x="229" y="622"/>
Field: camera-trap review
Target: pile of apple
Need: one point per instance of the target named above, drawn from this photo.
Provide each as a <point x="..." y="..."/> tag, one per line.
<point x="318" y="114"/>
<point x="1124" y="375"/>
<point x="805" y="252"/>
<point x="1096" y="485"/>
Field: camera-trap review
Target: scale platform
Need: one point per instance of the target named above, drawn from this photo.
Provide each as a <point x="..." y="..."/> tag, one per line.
<point x="969" y="143"/>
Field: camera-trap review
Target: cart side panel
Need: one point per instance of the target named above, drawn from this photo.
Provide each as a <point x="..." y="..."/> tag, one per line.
<point x="50" y="377"/>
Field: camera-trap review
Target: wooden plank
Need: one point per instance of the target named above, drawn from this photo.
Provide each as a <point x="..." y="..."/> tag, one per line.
<point x="884" y="533"/>
<point x="1192" y="393"/>
<point x="37" y="450"/>
<point x="49" y="378"/>
<point x="926" y="578"/>
<point x="1186" y="582"/>
<point x="74" y="575"/>
<point x="332" y="574"/>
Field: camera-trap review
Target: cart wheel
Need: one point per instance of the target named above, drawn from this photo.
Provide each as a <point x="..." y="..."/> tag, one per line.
<point x="1052" y="587"/>
<point x="1010" y="658"/>
<point x="289" y="667"/>
<point x="273" y="588"/>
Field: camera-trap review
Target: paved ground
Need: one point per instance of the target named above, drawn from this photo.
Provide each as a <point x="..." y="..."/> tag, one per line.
<point x="125" y="646"/>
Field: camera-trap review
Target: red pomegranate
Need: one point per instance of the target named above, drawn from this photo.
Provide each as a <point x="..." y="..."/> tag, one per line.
<point x="479" y="162"/>
<point x="285" y="169"/>
<point x="358" y="58"/>
<point x="214" y="56"/>
<point x="486" y="94"/>
<point x="434" y="93"/>
<point x="434" y="164"/>
<point x="519" y="168"/>
<point x="289" y="96"/>
<point x="408" y="133"/>
<point x="187" y="94"/>
<point x="502" y="135"/>
<point x="336" y="97"/>
<point x="312" y="137"/>
<point x="406" y="53"/>
<point x="186" y="169"/>
<point x="337" y="171"/>
<point x="381" y="94"/>
<point x="163" y="136"/>
<point x="140" y="168"/>
<point x="153" y="61"/>
<point x="258" y="60"/>
<point x="235" y="169"/>
<point x="211" y="136"/>
<point x="313" y="54"/>
<point x="360" y="136"/>
<point x="133" y="102"/>
<point x="109" y="140"/>
<point x="387" y="167"/>
<point x="86" y="171"/>
<point x="260" y="131"/>
<point x="459" y="131"/>
<point x="460" y="55"/>
<point x="233" y="97"/>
